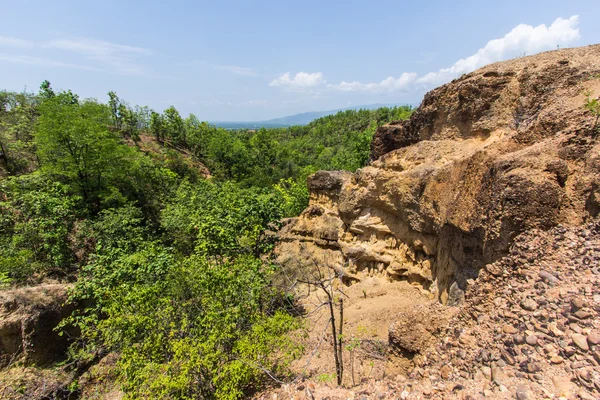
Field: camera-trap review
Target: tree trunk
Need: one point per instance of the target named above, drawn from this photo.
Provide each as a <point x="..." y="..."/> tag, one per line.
<point x="336" y="354"/>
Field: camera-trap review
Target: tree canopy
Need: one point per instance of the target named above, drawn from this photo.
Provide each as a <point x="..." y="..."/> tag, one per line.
<point x="171" y="266"/>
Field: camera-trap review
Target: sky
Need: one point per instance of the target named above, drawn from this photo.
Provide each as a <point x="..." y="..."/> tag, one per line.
<point x="255" y="60"/>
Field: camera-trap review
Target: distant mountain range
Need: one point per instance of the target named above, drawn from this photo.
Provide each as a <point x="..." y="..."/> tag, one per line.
<point x="291" y="120"/>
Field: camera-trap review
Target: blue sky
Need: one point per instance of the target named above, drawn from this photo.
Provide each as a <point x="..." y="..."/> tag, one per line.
<point x="243" y="60"/>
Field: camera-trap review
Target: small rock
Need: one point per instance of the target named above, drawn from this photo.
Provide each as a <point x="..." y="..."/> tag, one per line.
<point x="533" y="367"/>
<point x="445" y="371"/>
<point x="493" y="269"/>
<point x="531" y="340"/>
<point x="556" y="359"/>
<point x="555" y="330"/>
<point x="548" y="277"/>
<point x="508" y="357"/>
<point x="522" y="392"/>
<point x="593" y="338"/>
<point x="487" y="373"/>
<point x="529" y="304"/>
<point x="577" y="303"/>
<point x="509" y="329"/>
<point x="582" y="314"/>
<point x="575" y="327"/>
<point x="585" y="395"/>
<point x="519" y="339"/>
<point x="564" y="386"/>
<point x="569" y="351"/>
<point x="580" y="341"/>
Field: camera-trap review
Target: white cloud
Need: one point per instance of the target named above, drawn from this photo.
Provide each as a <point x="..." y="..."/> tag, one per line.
<point x="6" y="41"/>
<point x="390" y="84"/>
<point x="523" y="39"/>
<point x="117" y="57"/>
<point x="27" y="60"/>
<point x="97" y="48"/>
<point x="300" y="81"/>
<point x="235" y="69"/>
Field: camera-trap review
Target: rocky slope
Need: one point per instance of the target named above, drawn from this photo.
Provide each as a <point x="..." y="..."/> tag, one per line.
<point x="505" y="149"/>
<point x="529" y="329"/>
<point x="487" y="201"/>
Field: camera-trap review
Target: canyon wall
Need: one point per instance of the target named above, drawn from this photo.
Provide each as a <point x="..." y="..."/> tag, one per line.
<point x="507" y="148"/>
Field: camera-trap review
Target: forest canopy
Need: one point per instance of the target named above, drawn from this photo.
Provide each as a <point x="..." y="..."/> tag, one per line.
<point x="163" y="225"/>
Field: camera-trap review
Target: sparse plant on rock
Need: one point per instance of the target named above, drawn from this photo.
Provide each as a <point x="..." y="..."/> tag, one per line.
<point x="593" y="106"/>
<point x="328" y="281"/>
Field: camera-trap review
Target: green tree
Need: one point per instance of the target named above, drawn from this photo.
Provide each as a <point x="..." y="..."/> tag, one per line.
<point x="174" y="126"/>
<point x="74" y="143"/>
<point x="46" y="91"/>
<point x="157" y="126"/>
<point x="18" y="113"/>
<point x="114" y="104"/>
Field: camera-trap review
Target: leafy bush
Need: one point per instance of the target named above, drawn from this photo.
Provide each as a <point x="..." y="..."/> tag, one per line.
<point x="36" y="219"/>
<point x="219" y="220"/>
<point x="190" y="328"/>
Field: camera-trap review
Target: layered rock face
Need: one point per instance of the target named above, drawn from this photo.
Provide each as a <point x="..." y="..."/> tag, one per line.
<point x="505" y="149"/>
<point x="28" y="317"/>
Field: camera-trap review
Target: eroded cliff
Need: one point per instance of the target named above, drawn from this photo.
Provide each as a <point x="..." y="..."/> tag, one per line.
<point x="505" y="149"/>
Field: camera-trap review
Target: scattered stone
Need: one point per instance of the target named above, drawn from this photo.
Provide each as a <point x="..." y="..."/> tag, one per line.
<point x="529" y="305"/>
<point x="497" y="376"/>
<point x="582" y="314"/>
<point x="556" y="359"/>
<point x="533" y="367"/>
<point x="577" y="303"/>
<point x="548" y="277"/>
<point x="487" y="373"/>
<point x="531" y="340"/>
<point x="564" y="386"/>
<point x="580" y="341"/>
<point x="585" y="395"/>
<point x="522" y="392"/>
<point x="509" y="329"/>
<point x="519" y="339"/>
<point x="593" y="338"/>
<point x="445" y="371"/>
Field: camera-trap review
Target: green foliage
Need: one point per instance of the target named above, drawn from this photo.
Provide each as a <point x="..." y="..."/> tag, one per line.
<point x="74" y="144"/>
<point x="36" y="219"/>
<point x="218" y="220"/>
<point x="294" y="195"/>
<point x="46" y="91"/>
<point x="593" y="107"/>
<point x="265" y="157"/>
<point x="327" y="378"/>
<point x="17" y="118"/>
<point x="170" y="267"/>
<point x="4" y="280"/>
<point x="190" y="328"/>
<point x="174" y="126"/>
<point x="157" y="126"/>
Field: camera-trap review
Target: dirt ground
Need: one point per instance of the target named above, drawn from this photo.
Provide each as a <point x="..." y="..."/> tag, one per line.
<point x="370" y="306"/>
